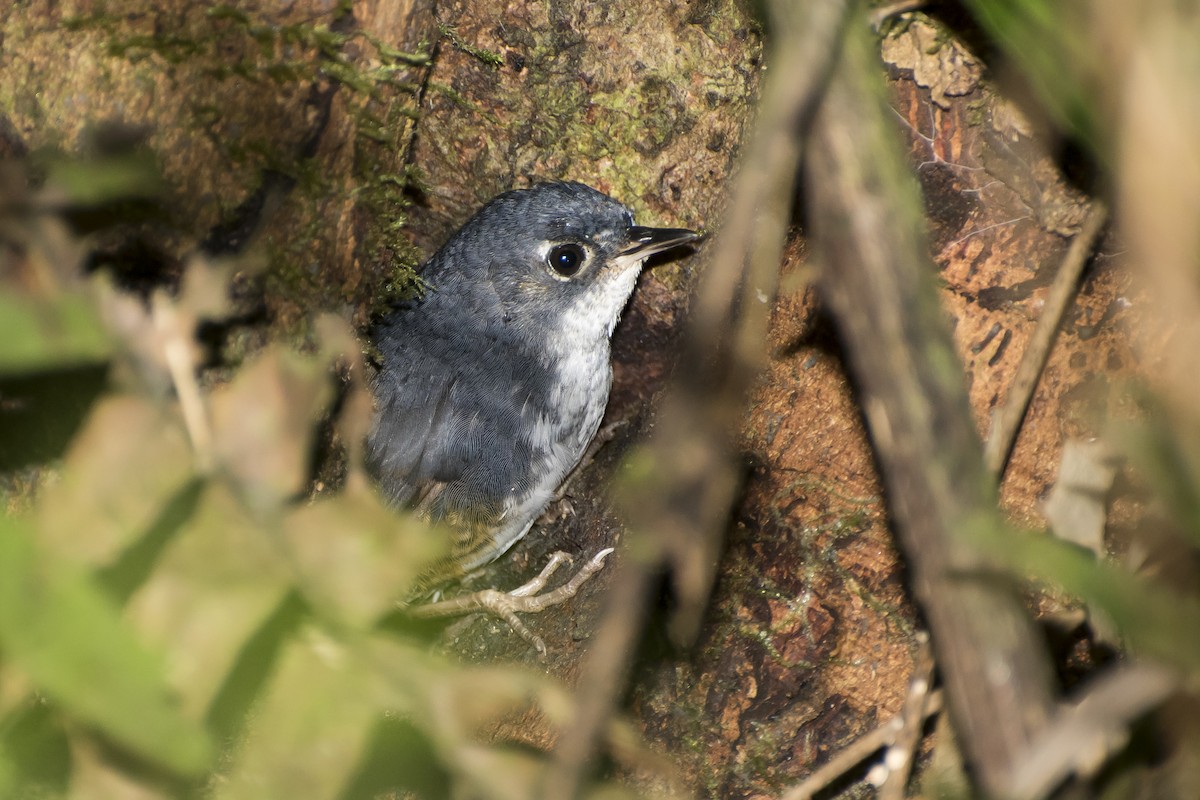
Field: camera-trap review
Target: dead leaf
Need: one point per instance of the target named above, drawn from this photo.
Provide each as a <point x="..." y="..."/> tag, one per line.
<point x="1076" y="507"/>
<point x="263" y="424"/>
<point x="939" y="62"/>
<point x="130" y="458"/>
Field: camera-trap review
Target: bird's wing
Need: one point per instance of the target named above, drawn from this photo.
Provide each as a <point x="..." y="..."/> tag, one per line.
<point x="407" y="443"/>
<point x="436" y="441"/>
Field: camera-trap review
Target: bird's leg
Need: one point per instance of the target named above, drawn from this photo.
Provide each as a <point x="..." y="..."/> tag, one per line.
<point x="524" y="599"/>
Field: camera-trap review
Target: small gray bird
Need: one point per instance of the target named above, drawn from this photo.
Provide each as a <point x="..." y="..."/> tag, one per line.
<point x="493" y="383"/>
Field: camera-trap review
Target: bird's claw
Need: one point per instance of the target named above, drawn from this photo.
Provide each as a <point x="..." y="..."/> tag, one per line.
<point x="524" y="599"/>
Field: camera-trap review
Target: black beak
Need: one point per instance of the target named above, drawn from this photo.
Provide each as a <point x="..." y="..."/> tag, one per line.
<point x="645" y="242"/>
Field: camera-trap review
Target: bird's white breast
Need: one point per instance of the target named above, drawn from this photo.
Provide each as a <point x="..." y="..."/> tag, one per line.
<point x="580" y="361"/>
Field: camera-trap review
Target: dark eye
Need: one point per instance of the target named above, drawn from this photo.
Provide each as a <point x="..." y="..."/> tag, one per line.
<point x="565" y="259"/>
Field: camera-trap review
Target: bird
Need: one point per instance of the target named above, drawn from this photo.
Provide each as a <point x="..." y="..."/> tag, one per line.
<point x="493" y="382"/>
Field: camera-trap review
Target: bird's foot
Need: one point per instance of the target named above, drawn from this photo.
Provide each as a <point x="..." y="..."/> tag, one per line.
<point x="524" y="599"/>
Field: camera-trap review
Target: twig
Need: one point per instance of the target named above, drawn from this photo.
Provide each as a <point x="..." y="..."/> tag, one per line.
<point x="899" y="735"/>
<point x="176" y="348"/>
<point x="1006" y="421"/>
<point x="858" y="751"/>
<point x="868" y="233"/>
<point x="897" y="762"/>
<point x="726" y="345"/>
<point x="1082" y="735"/>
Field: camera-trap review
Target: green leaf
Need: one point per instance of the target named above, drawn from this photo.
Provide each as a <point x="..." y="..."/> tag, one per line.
<point x="63" y="632"/>
<point x="120" y="473"/>
<point x="40" y="335"/>
<point x="355" y="557"/>
<point x="1165" y="448"/>
<point x="1149" y="617"/>
<point x="310" y="732"/>
<point x="213" y="590"/>
<point x="1047" y="39"/>
<point x="263" y="422"/>
<point x="108" y="178"/>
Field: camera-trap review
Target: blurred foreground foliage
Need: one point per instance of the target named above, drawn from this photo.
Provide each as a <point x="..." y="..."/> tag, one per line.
<point x="1116" y="86"/>
<point x="1120" y="83"/>
<point x="177" y="616"/>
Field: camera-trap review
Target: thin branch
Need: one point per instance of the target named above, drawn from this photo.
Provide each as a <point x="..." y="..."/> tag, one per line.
<point x="876" y="276"/>
<point x="177" y="352"/>
<point x="679" y="520"/>
<point x="1006" y="421"/>
<point x="898" y="761"/>
<point x="858" y="751"/>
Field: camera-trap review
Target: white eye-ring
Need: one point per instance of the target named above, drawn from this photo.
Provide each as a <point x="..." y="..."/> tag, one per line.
<point x="565" y="260"/>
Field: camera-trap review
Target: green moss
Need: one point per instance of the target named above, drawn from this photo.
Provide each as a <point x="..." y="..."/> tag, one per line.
<point x="763" y="747"/>
<point x="229" y="41"/>
<point x="977" y="112"/>
<point x="494" y="60"/>
<point x="452" y="94"/>
<point x="575" y="118"/>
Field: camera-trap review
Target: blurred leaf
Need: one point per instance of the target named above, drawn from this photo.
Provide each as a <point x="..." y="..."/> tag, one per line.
<point x="1149" y="617"/>
<point x="356" y="557"/>
<point x="500" y="773"/>
<point x="1048" y="40"/>
<point x="34" y="752"/>
<point x="122" y="577"/>
<point x="130" y="458"/>
<point x="511" y="773"/>
<point x="142" y="343"/>
<point x="96" y="775"/>
<point x="1165" y="448"/>
<point x="219" y="581"/>
<point x="101" y="179"/>
<point x="339" y="345"/>
<point x="400" y="757"/>
<point x="480" y="695"/>
<point x="310" y="730"/>
<point x="454" y="705"/>
<point x="1077" y="506"/>
<point x="255" y="663"/>
<point x="41" y="411"/>
<point x="204" y="288"/>
<point x="473" y="700"/>
<point x="264" y="420"/>
<point x="60" y="629"/>
<point x="40" y="334"/>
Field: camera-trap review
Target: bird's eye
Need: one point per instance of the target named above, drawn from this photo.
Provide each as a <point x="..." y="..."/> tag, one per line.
<point x="565" y="259"/>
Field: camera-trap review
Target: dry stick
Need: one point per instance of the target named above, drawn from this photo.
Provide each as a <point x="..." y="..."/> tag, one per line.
<point x="177" y="352"/>
<point x="1085" y="733"/>
<point x="900" y="734"/>
<point x="858" y="751"/>
<point x="1006" y="421"/>
<point x="898" y="760"/>
<point x="876" y="276"/>
<point x="747" y="260"/>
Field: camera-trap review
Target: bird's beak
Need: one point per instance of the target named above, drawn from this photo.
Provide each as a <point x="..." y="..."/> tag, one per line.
<point x="645" y="242"/>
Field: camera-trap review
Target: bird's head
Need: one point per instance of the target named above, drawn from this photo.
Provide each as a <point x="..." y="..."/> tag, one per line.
<point x="558" y="256"/>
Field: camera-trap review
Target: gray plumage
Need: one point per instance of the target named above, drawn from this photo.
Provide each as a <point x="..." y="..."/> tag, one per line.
<point x="492" y="384"/>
